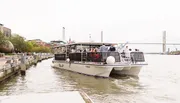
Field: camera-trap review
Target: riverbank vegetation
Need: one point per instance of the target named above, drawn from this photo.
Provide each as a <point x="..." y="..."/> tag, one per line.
<point x="22" y="45"/>
<point x="2" y="39"/>
<point x="174" y="53"/>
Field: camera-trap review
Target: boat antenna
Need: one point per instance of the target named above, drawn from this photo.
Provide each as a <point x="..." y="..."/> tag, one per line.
<point x="122" y="46"/>
<point x="89" y="37"/>
<point x="63" y="34"/>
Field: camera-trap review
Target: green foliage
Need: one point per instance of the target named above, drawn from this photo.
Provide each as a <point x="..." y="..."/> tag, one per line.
<point x="29" y="46"/>
<point x="21" y="45"/>
<point x="41" y="49"/>
<point x="18" y="42"/>
<point x="2" y="39"/>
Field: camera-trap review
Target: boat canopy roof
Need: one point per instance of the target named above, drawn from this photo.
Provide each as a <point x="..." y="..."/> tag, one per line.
<point x="91" y="43"/>
<point x="87" y="44"/>
<point x="63" y="45"/>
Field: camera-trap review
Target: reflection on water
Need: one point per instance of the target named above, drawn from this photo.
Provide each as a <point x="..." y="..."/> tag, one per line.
<point x="157" y="83"/>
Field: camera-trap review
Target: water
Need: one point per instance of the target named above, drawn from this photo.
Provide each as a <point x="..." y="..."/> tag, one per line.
<point x="158" y="82"/>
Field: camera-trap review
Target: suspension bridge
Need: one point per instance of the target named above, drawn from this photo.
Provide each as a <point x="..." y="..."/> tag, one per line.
<point x="164" y="44"/>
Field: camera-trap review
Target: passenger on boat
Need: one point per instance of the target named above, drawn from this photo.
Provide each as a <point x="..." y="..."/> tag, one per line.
<point x="126" y="49"/>
<point x="97" y="49"/>
<point x="73" y="51"/>
<point x="123" y="54"/>
<point x="92" y="50"/>
<point x="94" y="56"/>
<point x="84" y="51"/>
<point x="112" y="48"/>
<point x="78" y="50"/>
<point x="131" y="56"/>
<point x="127" y="52"/>
<point x="103" y="48"/>
<point x="136" y="49"/>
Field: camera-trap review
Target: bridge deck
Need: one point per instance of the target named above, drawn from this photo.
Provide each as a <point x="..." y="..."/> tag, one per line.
<point x="154" y="43"/>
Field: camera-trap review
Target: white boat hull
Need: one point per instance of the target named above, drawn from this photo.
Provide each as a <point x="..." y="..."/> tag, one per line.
<point x="99" y="70"/>
<point x="132" y="70"/>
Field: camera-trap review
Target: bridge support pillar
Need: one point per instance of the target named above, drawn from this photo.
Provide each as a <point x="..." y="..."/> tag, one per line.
<point x="164" y="42"/>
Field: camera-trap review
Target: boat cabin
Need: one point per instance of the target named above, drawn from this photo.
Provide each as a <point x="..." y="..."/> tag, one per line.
<point x="89" y="52"/>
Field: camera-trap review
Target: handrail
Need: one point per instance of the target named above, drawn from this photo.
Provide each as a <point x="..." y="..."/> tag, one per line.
<point x="88" y="56"/>
<point x="102" y="56"/>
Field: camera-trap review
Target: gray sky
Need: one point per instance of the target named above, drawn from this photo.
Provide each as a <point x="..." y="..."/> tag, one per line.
<point x="121" y="20"/>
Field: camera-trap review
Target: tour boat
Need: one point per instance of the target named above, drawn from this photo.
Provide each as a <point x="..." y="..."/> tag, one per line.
<point x="76" y="57"/>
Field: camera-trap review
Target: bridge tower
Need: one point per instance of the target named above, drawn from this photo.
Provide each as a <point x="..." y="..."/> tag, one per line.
<point x="101" y="36"/>
<point x="164" y="42"/>
<point x="63" y="34"/>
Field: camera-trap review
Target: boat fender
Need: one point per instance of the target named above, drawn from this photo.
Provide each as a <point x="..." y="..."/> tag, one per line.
<point x="110" y="60"/>
<point x="67" y="60"/>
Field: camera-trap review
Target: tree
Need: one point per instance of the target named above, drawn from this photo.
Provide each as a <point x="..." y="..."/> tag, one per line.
<point x="20" y="45"/>
<point x="41" y="49"/>
<point x="18" y="42"/>
<point x="2" y="39"/>
<point x="29" y="46"/>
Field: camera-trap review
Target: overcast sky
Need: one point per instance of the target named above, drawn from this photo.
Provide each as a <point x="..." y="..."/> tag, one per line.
<point x="120" y="20"/>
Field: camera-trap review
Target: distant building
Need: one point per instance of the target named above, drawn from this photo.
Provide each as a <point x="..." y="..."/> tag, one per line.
<point x="48" y="44"/>
<point x="39" y="42"/>
<point x="71" y="41"/>
<point x="4" y="30"/>
<point x="55" y="43"/>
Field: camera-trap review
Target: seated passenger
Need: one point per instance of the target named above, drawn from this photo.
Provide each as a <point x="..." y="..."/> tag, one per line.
<point x="93" y="49"/>
<point x="96" y="56"/>
<point x="97" y="50"/>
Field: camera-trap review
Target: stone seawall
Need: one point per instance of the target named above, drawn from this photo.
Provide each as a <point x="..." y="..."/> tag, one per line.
<point x="10" y="65"/>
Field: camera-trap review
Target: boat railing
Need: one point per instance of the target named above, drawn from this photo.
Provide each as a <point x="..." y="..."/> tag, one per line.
<point x="133" y="57"/>
<point x="61" y="56"/>
<point x="93" y="56"/>
<point x="137" y="57"/>
<point x="88" y="56"/>
<point x="125" y="59"/>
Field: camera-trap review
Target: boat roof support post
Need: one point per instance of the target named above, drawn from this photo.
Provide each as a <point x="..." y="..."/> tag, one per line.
<point x="66" y="52"/>
<point x="81" y="53"/>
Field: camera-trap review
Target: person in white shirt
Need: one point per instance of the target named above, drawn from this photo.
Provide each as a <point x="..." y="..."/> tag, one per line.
<point x="127" y="53"/>
<point x="73" y="51"/>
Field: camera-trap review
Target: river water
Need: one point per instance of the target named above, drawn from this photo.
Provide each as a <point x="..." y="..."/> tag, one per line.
<point x="159" y="82"/>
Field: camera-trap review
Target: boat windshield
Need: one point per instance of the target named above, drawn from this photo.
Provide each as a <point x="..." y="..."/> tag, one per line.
<point x="58" y="50"/>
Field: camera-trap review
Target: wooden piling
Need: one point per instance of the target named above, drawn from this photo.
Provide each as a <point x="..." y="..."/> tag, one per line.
<point x="18" y="64"/>
<point x="23" y="69"/>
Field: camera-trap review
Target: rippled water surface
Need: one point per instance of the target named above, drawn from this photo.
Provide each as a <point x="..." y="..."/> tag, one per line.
<point x="159" y="82"/>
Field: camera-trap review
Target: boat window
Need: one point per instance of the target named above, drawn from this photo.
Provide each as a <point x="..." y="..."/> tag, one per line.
<point x="93" y="56"/>
<point x="60" y="56"/>
<point x="137" y="56"/>
<point x="82" y="48"/>
<point x="60" y="50"/>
